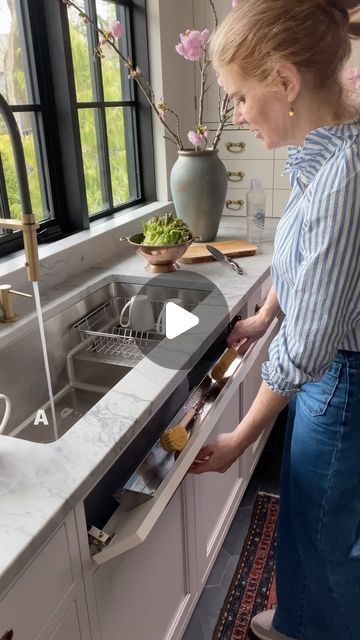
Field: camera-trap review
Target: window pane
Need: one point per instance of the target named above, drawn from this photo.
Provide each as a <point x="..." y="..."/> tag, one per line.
<point x="111" y="65"/>
<point x="91" y="157"/>
<point x="40" y="208"/>
<point x="117" y="152"/>
<point x="80" y="55"/>
<point x="8" y="166"/>
<point x="12" y="76"/>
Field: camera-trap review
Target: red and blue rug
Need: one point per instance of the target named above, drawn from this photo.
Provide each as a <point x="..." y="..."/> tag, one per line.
<point x="252" y="588"/>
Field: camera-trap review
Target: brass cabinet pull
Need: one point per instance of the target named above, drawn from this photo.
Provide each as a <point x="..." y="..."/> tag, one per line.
<point x="235" y="176"/>
<point x="235" y="147"/>
<point x="234" y="205"/>
<point x="8" y="635"/>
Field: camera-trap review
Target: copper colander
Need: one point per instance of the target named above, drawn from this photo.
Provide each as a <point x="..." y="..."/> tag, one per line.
<point x="160" y="259"/>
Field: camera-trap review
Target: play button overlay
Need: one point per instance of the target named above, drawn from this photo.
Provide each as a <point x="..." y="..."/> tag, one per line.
<point x="189" y="310"/>
<point x="178" y="320"/>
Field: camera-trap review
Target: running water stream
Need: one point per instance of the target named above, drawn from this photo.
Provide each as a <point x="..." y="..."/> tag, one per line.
<point x="46" y="361"/>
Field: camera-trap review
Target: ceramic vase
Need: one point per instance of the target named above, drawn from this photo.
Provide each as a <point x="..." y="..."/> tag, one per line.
<point x="198" y="182"/>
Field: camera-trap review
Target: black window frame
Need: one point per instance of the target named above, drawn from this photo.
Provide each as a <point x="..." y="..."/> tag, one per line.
<point x="46" y="26"/>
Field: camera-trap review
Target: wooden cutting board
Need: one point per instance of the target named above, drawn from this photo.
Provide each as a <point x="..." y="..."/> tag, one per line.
<point x="197" y="252"/>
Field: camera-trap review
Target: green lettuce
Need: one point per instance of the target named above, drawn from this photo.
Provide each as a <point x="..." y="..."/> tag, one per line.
<point x="165" y="230"/>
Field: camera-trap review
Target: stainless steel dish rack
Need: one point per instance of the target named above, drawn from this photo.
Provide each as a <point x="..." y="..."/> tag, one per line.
<point x="104" y="339"/>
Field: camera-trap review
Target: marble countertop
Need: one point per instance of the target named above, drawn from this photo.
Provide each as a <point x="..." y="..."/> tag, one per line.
<point x="40" y="483"/>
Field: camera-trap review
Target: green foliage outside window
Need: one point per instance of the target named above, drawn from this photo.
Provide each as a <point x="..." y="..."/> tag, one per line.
<point x="89" y="142"/>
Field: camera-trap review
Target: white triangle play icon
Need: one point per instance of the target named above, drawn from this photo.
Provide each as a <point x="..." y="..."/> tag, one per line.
<point x="178" y="320"/>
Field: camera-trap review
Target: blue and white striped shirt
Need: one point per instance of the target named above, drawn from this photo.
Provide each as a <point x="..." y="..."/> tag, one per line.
<point x="316" y="262"/>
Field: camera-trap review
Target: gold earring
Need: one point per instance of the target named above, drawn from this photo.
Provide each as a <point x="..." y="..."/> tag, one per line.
<point x="291" y="111"/>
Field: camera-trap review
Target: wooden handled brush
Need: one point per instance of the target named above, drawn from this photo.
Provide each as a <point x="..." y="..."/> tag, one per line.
<point x="226" y="360"/>
<point x="224" y="363"/>
<point x="175" y="438"/>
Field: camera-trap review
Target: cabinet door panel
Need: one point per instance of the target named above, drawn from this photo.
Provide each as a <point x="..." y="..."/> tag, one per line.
<point x="69" y="628"/>
<point x="217" y="495"/>
<point x="37" y="593"/>
<point x="141" y="594"/>
<point x="281" y="180"/>
<point x="281" y="198"/>
<point x="249" y="389"/>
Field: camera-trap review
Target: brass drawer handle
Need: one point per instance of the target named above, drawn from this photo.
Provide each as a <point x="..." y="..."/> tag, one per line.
<point x="235" y="176"/>
<point x="8" y="635"/>
<point x="235" y="147"/>
<point x="234" y="205"/>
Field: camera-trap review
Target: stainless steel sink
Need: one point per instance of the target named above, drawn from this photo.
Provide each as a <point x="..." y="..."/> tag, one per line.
<point x="80" y="372"/>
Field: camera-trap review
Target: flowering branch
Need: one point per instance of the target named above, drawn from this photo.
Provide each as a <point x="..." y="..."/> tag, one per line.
<point x="192" y="46"/>
<point x="108" y="37"/>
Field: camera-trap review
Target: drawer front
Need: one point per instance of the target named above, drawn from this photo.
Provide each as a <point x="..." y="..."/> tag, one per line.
<point x="281" y="198"/>
<point x="242" y="144"/>
<point x="34" y="597"/>
<point x="258" y="298"/>
<point x="133" y="527"/>
<point x="240" y="171"/>
<point x="281" y="181"/>
<point x="281" y="153"/>
<point x="235" y="203"/>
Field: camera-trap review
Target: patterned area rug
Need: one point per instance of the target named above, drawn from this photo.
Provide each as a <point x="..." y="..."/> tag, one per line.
<point x="252" y="588"/>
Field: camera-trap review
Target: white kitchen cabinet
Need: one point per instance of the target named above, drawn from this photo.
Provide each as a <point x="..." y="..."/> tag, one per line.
<point x="243" y="154"/>
<point x="281" y="198"/>
<point x="249" y="390"/>
<point x="253" y="380"/>
<point x="146" y="582"/>
<point x="145" y="592"/>
<point x="68" y="628"/>
<point x="36" y="603"/>
<point x="217" y="496"/>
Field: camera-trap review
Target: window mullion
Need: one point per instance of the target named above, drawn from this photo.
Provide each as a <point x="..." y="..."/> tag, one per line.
<point x="100" y="117"/>
<point x="59" y="66"/>
<point x="4" y="203"/>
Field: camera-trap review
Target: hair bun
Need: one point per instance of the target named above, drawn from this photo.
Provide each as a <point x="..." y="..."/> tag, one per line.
<point x="338" y="8"/>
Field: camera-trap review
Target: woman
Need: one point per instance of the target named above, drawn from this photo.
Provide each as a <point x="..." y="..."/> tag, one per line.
<point x="282" y="62"/>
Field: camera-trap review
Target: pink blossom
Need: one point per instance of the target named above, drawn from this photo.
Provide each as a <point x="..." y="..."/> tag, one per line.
<point x="103" y="40"/>
<point x="235" y="3"/>
<point x="117" y="29"/>
<point x="198" y="137"/>
<point x="191" y="44"/>
<point x="134" y="73"/>
<point x="195" y="138"/>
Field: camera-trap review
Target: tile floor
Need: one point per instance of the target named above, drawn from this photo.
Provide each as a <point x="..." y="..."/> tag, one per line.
<point x="265" y="478"/>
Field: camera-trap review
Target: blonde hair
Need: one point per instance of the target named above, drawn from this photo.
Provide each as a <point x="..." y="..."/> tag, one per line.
<point x="313" y="35"/>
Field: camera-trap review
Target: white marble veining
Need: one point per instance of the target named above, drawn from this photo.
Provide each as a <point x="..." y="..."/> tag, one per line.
<point x="41" y="483"/>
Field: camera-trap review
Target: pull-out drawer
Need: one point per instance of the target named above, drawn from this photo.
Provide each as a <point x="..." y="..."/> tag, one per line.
<point x="242" y="144"/>
<point x="235" y="203"/>
<point x="130" y="528"/>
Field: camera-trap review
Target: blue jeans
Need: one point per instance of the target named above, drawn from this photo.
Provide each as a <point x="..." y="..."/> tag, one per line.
<point x="318" y="558"/>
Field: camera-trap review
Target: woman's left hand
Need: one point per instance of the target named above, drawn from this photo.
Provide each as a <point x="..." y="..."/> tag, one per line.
<point x="218" y="455"/>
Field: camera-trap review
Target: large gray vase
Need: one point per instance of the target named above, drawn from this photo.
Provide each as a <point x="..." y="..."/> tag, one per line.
<point x="198" y="184"/>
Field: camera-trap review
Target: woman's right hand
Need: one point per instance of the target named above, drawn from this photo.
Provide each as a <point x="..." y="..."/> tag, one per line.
<point x="248" y="331"/>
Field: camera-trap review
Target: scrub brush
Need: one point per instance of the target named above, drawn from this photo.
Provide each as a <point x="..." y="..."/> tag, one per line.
<point x="175" y="438"/>
<point x="225" y="361"/>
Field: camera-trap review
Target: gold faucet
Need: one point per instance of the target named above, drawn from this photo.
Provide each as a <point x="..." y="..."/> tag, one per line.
<point x="28" y="226"/>
<point x="7" y="302"/>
